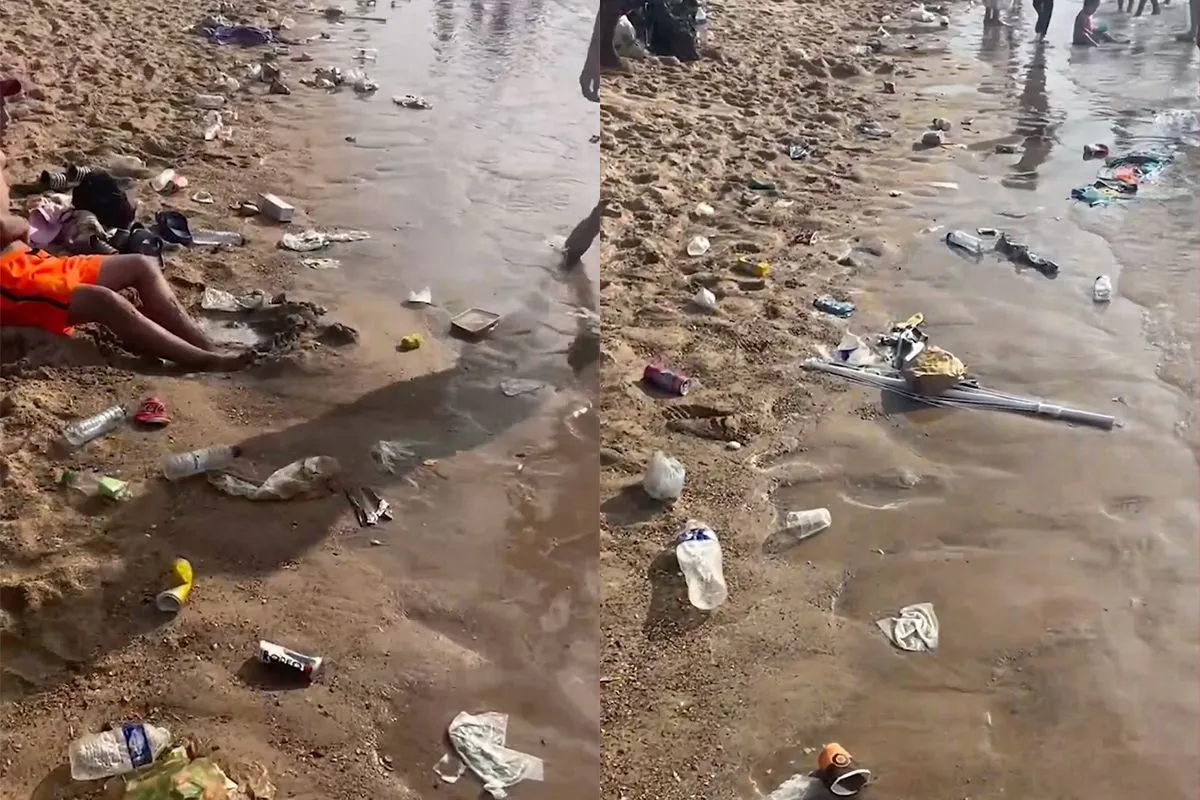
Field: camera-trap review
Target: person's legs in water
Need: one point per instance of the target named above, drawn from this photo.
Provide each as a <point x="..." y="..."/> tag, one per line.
<point x="1142" y="7"/>
<point x="1045" y="9"/>
<point x="582" y="238"/>
<point x="605" y="31"/>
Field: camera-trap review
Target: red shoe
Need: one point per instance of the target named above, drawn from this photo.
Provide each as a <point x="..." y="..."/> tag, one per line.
<point x="152" y="413"/>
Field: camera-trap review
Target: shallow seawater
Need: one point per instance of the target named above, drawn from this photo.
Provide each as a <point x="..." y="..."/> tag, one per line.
<point x="1063" y="561"/>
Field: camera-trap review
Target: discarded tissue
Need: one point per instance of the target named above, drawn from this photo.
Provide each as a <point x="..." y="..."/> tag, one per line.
<point x="478" y="741"/>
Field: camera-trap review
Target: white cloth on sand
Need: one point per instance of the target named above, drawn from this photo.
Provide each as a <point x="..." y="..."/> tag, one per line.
<point x="915" y="629"/>
<point x="478" y="741"/>
<point x="309" y="240"/>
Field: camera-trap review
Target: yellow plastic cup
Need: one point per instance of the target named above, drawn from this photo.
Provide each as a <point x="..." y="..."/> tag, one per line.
<point x="172" y="600"/>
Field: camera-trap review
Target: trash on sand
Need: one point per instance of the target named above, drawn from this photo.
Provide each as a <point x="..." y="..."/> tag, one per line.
<point x="839" y="772"/>
<point x="209" y="101"/>
<point x="667" y="380"/>
<point x="80" y="432"/>
<point x="940" y="124"/>
<point x="214" y="127"/>
<point x="797" y="787"/>
<point x="664" y="477"/>
<point x="873" y="130"/>
<point x="301" y="479"/>
<point x="514" y="387"/>
<point x="1091" y="151"/>
<point x="423" y="297"/>
<point x="168" y="182"/>
<point x="475" y="321"/>
<point x="176" y="776"/>
<point x="838" y="308"/>
<point x="965" y="242"/>
<point x="889" y="87"/>
<point x="93" y="484"/>
<point x="220" y="300"/>
<point x="854" y="351"/>
<point x="1020" y="254"/>
<point x="1005" y="149"/>
<point x="699" y="555"/>
<point x="321" y="263"/>
<point x="705" y="210"/>
<point x="412" y="101"/>
<point x="218" y="239"/>
<point x="309" y="240"/>
<point x="274" y="655"/>
<point x="204" y="198"/>
<point x="369" y="506"/>
<point x="988" y="232"/>
<point x="173" y="599"/>
<point x="800" y="525"/>
<point x="390" y="456"/>
<point x="915" y="629"/>
<point x="932" y="139"/>
<point x="362" y="84"/>
<point x="478" y="741"/>
<point x="754" y="267"/>
<point x="797" y="152"/>
<point x="184" y="465"/>
<point x="919" y="13"/>
<point x="275" y="208"/>
<point x="1102" y="289"/>
<point x="705" y="299"/>
<point x="698" y="246"/>
<point x="116" y="751"/>
<point x="412" y="341"/>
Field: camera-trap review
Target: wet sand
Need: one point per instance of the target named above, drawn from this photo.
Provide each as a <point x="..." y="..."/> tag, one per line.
<point x="1061" y="561"/>
<point x="478" y="596"/>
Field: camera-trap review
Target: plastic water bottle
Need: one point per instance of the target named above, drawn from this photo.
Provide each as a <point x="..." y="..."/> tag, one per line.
<point x="800" y="525"/>
<point x="117" y="751"/>
<point x="965" y="241"/>
<point x="1102" y="289"/>
<point x="79" y="433"/>
<point x="185" y="465"/>
<point x="699" y="555"/>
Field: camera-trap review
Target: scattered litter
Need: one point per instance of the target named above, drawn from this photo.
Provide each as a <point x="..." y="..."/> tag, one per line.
<point x="202" y="197"/>
<point x="389" y="456"/>
<point x="513" y="387"/>
<point x="178" y="466"/>
<point x="940" y="124"/>
<point x="412" y="101"/>
<point x="309" y="240"/>
<point x="1102" y="289"/>
<point x="932" y="139"/>
<point x="176" y="776"/>
<point x="274" y="655"/>
<point x="275" y="208"/>
<point x="321" y="263"/>
<point x="839" y="772"/>
<point x="965" y="242"/>
<point x="915" y="629"/>
<point x="698" y="246"/>
<point x="666" y="380"/>
<point x="797" y="152"/>
<point x="92" y="484"/>
<point x="854" y="351"/>
<point x="80" y="432"/>
<point x="412" y="341"/>
<point x="116" y="751"/>
<point x="949" y="185"/>
<point x="360" y="83"/>
<point x="301" y="479"/>
<point x="988" y="232"/>
<point x="221" y="300"/>
<point x="705" y="299"/>
<point x="797" y="787"/>
<point x="800" y="525"/>
<point x="369" y="507"/>
<point x="174" y="599"/>
<point x="244" y="208"/>
<point x="664" y="478"/>
<point x="698" y="552"/>
<point x="838" y="308"/>
<point x="873" y="130"/>
<point x="209" y="101"/>
<point x="889" y="87"/>
<point x="218" y="239"/>
<point x="1091" y="151"/>
<point x="753" y="267"/>
<point x="168" y="182"/>
<point x="1020" y="254"/>
<point x="705" y="210"/>
<point x="214" y="127"/>
<point x="422" y="297"/>
<point x="475" y="321"/>
<point x="1005" y="149"/>
<point x="479" y="745"/>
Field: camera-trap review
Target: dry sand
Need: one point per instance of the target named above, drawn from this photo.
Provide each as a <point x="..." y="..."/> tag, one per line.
<point x="413" y="632"/>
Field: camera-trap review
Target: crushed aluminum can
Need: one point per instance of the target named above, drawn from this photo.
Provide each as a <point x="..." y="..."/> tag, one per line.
<point x="273" y="654"/>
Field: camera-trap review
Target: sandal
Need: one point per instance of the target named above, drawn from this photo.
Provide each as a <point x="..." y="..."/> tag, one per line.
<point x="152" y="413"/>
<point x="54" y="181"/>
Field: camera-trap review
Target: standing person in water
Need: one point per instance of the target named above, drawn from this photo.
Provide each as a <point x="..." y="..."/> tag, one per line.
<point x="601" y="55"/>
<point x="1045" y="10"/>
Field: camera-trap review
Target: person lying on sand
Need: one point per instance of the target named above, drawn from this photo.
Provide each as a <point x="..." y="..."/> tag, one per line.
<point x="1087" y="32"/>
<point x="38" y="290"/>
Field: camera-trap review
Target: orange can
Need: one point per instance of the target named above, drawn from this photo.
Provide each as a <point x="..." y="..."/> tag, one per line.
<point x="840" y="773"/>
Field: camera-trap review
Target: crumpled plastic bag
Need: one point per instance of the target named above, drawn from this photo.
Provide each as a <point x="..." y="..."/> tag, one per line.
<point x="390" y="456"/>
<point x="664" y="477"/>
<point x="175" y="777"/>
<point x="221" y="300"/>
<point x="914" y="629"/>
<point x="303" y="479"/>
<point x="478" y="741"/>
<point x="934" y="370"/>
<point x="309" y="240"/>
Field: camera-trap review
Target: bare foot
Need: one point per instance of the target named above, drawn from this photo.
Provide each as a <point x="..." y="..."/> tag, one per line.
<point x="230" y="362"/>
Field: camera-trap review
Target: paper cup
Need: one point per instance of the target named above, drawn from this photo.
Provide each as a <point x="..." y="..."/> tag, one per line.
<point x="839" y="773"/>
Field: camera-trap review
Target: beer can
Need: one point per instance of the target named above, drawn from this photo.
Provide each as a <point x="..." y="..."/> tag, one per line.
<point x="273" y="654"/>
<point x="667" y="380"/>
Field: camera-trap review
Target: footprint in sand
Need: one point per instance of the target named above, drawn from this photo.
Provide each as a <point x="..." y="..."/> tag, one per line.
<point x="1126" y="507"/>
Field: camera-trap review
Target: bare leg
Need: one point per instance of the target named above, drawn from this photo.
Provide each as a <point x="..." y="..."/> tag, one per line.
<point x="141" y="334"/>
<point x="581" y="239"/>
<point x="158" y="301"/>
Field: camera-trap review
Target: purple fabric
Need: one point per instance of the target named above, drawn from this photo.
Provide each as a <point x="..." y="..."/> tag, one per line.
<point x="240" y="34"/>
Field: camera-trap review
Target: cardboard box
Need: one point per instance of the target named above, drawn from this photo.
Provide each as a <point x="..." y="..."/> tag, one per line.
<point x="272" y="207"/>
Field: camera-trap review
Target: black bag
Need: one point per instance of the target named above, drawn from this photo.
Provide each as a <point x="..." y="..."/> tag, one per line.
<point x="100" y="194"/>
<point x="668" y="27"/>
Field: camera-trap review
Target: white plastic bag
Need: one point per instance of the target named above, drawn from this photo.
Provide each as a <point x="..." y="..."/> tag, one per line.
<point x="664" y="477"/>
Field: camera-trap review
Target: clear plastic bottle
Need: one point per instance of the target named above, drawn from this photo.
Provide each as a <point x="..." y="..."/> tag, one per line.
<point x="79" y="433"/>
<point x="184" y="465"/>
<point x="699" y="555"/>
<point x="117" y="751"/>
<point x="965" y="241"/>
<point x="799" y="525"/>
<point x="1102" y="289"/>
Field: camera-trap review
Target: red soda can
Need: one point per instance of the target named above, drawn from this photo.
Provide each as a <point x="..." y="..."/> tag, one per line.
<point x="665" y="379"/>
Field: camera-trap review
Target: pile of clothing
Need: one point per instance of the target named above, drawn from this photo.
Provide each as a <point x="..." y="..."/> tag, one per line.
<point x="1121" y="176"/>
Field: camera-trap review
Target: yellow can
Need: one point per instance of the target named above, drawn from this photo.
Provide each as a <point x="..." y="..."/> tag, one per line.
<point x="173" y="599"/>
<point x="758" y="269"/>
<point x="410" y="342"/>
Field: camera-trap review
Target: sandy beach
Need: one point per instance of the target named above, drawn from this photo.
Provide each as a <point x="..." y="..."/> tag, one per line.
<point x="429" y="615"/>
<point x="1033" y="543"/>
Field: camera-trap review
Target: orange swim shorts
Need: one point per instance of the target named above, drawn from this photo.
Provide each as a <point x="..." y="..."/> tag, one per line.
<point x="36" y="287"/>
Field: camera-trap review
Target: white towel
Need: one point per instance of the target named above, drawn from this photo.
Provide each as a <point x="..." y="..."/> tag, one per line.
<point x="915" y="629"/>
<point x="478" y="741"/>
